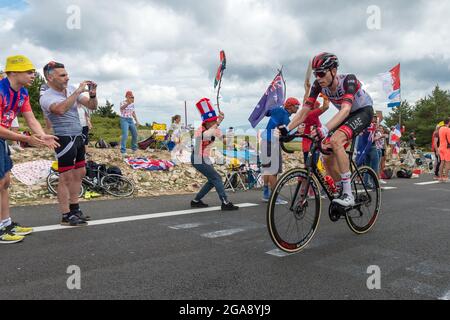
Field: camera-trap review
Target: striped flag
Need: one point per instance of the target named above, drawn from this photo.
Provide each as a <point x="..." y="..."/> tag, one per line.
<point x="222" y="67"/>
<point x="391" y="86"/>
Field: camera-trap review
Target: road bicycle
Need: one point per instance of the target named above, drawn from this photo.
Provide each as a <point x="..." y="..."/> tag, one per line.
<point x="99" y="180"/>
<point x="293" y="225"/>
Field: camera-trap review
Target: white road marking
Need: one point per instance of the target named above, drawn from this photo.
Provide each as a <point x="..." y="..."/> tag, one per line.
<point x="222" y="233"/>
<point x="139" y="217"/>
<point x="445" y="296"/>
<point x="388" y="188"/>
<point x="278" y="253"/>
<point x="425" y="183"/>
<point x="186" y="226"/>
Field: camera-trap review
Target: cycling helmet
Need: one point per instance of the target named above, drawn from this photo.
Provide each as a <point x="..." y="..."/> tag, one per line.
<point x="324" y="61"/>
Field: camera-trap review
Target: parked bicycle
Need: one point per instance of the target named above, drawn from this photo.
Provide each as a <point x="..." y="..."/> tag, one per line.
<point x="97" y="179"/>
<point x="293" y="225"/>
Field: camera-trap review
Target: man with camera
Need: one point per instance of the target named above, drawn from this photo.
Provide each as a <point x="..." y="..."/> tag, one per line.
<point x="60" y="103"/>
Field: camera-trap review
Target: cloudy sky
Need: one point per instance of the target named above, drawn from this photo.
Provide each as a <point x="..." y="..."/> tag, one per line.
<point x="167" y="51"/>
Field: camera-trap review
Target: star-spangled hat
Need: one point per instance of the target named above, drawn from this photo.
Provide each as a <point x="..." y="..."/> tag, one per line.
<point x="206" y="110"/>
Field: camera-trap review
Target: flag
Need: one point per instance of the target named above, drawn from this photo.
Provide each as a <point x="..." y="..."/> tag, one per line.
<point x="391" y="86"/>
<point x="222" y="67"/>
<point x="396" y="149"/>
<point x="273" y="97"/>
<point x="396" y="134"/>
<point x="365" y="143"/>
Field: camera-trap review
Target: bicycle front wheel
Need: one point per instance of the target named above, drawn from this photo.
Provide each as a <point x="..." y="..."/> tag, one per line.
<point x="367" y="192"/>
<point x="293" y="212"/>
<point x="52" y="184"/>
<point x="117" y="185"/>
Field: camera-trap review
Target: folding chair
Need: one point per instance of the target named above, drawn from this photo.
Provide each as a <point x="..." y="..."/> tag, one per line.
<point x="233" y="178"/>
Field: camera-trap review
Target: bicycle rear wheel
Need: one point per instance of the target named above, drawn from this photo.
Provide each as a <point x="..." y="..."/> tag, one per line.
<point x="52" y="184"/>
<point x="117" y="185"/>
<point x="293" y="224"/>
<point x="367" y="195"/>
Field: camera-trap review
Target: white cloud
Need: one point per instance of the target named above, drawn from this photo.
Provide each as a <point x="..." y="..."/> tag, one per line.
<point x="167" y="51"/>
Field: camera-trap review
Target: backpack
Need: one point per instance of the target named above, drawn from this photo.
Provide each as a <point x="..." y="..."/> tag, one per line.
<point x="25" y="144"/>
<point x="387" y="173"/>
<point x="101" y="144"/>
<point x="404" y="173"/>
<point x="92" y="168"/>
<point x="114" y="170"/>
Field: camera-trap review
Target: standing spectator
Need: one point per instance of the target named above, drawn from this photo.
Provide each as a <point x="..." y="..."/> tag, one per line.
<point x="371" y="155"/>
<point x="444" y="150"/>
<point x="60" y="103"/>
<point x="380" y="141"/>
<point x="313" y="120"/>
<point x="85" y="121"/>
<point x="14" y="99"/>
<point x="412" y="140"/>
<point x="271" y="157"/>
<point x="204" y="139"/>
<point x="127" y="114"/>
<point x="435" y="148"/>
<point x="175" y="130"/>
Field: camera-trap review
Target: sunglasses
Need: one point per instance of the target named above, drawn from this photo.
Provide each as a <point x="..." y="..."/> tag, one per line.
<point x="320" y="74"/>
<point x="52" y="65"/>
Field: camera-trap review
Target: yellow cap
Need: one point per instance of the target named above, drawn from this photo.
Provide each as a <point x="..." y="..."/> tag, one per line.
<point x="441" y="124"/>
<point x="18" y="64"/>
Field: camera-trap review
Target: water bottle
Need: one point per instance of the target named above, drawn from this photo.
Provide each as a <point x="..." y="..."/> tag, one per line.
<point x="331" y="183"/>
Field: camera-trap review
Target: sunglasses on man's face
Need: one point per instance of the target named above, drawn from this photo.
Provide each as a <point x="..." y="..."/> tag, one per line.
<point x="320" y="74"/>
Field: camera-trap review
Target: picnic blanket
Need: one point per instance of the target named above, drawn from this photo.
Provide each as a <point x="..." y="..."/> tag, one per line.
<point x="149" y="164"/>
<point x="33" y="172"/>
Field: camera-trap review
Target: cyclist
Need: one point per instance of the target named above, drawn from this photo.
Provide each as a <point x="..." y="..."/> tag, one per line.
<point x="355" y="114"/>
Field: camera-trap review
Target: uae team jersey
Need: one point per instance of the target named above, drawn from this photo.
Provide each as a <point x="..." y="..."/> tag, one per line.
<point x="12" y="103"/>
<point x="348" y="90"/>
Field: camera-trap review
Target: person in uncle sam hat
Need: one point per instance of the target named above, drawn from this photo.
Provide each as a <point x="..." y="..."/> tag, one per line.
<point x="204" y="139"/>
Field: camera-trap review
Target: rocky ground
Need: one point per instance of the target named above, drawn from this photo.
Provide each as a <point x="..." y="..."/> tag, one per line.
<point x="180" y="179"/>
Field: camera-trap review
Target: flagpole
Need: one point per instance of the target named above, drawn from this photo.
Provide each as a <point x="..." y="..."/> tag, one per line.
<point x="185" y="114"/>
<point x="218" y="90"/>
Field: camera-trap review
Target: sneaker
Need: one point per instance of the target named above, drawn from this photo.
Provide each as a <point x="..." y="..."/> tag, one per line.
<point x="9" y="238"/>
<point x="18" y="230"/>
<point x="382" y="181"/>
<point x="280" y="201"/>
<point x="265" y="199"/>
<point x="72" y="220"/>
<point x="80" y="215"/>
<point x="198" y="204"/>
<point x="345" y="200"/>
<point x="229" y="207"/>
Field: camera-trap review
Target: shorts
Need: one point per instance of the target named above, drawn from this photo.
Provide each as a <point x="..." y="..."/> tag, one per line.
<point x="271" y="162"/>
<point x="356" y="122"/>
<point x="6" y="163"/>
<point x="71" y="153"/>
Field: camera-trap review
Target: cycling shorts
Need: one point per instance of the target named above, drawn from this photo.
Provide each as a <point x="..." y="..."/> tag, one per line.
<point x="71" y="153"/>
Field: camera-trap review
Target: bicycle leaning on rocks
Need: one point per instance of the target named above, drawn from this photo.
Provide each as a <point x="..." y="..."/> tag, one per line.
<point x="97" y="179"/>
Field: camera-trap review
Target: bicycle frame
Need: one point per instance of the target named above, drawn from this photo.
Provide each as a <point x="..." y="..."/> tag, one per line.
<point x="311" y="168"/>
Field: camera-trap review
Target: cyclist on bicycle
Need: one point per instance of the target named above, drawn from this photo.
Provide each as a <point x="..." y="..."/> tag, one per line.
<point x="355" y="114"/>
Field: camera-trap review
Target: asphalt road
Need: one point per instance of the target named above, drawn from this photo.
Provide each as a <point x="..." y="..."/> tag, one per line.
<point x="216" y="255"/>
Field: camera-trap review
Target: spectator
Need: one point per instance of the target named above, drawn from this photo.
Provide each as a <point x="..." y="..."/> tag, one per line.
<point x="380" y="142"/>
<point x="271" y="157"/>
<point x="14" y="99"/>
<point x="204" y="140"/>
<point x="175" y="129"/>
<point x="435" y="149"/>
<point x="60" y="103"/>
<point x="444" y="150"/>
<point x="412" y="140"/>
<point x="127" y="114"/>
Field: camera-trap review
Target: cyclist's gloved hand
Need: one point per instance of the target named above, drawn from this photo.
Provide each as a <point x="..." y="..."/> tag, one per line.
<point x="283" y="131"/>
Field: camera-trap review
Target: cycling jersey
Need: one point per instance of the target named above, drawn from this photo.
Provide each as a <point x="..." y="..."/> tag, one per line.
<point x="12" y="103"/>
<point x="348" y="90"/>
